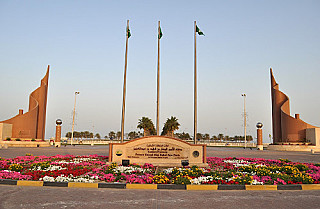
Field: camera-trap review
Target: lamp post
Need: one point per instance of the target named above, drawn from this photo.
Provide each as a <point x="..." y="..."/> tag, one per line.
<point x="245" y="120"/>
<point x="74" y="111"/>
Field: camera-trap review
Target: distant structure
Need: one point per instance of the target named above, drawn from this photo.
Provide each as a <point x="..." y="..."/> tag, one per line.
<point x="58" y="133"/>
<point x="287" y="129"/>
<point x="30" y="125"/>
<point x="259" y="136"/>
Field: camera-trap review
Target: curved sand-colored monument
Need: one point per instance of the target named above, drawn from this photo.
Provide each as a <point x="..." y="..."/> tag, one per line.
<point x="285" y="128"/>
<point x="31" y="125"/>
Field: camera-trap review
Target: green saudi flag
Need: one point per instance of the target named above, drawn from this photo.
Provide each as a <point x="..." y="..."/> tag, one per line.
<point x="128" y="32"/>
<point x="199" y="31"/>
<point x="160" y="33"/>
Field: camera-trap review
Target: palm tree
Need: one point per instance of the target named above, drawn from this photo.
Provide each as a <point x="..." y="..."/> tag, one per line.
<point x="206" y="137"/>
<point x="183" y="136"/>
<point x="147" y="125"/>
<point x="220" y="136"/>
<point x="170" y="126"/>
<point x="68" y="134"/>
<point x="199" y="136"/>
<point x="214" y="138"/>
<point x="98" y="136"/>
<point x="133" y="135"/>
<point x="118" y="134"/>
<point x="82" y="134"/>
<point x="112" y="135"/>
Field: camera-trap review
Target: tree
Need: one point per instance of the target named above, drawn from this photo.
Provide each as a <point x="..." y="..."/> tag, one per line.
<point x="147" y="125"/>
<point x="249" y="138"/>
<point x="214" y="138"/>
<point x="98" y="136"/>
<point x="220" y="137"/>
<point x="183" y="136"/>
<point x="133" y="135"/>
<point x="112" y="135"/>
<point x="118" y="135"/>
<point x="199" y="136"/>
<point x="68" y="134"/>
<point x="206" y="137"/>
<point x="82" y="134"/>
<point x="170" y="126"/>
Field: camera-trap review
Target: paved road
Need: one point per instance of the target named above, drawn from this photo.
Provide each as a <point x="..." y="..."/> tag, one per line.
<point x="16" y="197"/>
<point x="211" y="152"/>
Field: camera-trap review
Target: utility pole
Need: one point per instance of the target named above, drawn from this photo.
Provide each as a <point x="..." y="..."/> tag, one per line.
<point x="245" y="120"/>
<point x="74" y="112"/>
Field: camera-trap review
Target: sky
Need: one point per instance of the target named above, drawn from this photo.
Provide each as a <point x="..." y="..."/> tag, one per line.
<point x="84" y="43"/>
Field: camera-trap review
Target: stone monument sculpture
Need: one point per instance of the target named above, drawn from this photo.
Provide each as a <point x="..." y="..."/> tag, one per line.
<point x="286" y="129"/>
<point x="31" y="125"/>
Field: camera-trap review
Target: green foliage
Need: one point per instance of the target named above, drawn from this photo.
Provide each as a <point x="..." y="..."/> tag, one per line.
<point x="33" y="140"/>
<point x="182" y="180"/>
<point x="8" y="139"/>
<point x="41" y="165"/>
<point x="285" y="160"/>
<point x="147" y="125"/>
<point x="79" y="135"/>
<point x="15" y="167"/>
<point x="183" y="136"/>
<point x="248" y="169"/>
<point x="170" y="126"/>
<point x="301" y="167"/>
<point x="133" y="135"/>
<point x="112" y="135"/>
<point x="18" y="139"/>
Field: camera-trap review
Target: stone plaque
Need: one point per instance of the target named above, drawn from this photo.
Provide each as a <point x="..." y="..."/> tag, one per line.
<point x="157" y="150"/>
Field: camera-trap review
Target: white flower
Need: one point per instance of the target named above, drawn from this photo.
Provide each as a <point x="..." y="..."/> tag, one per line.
<point x="203" y="179"/>
<point x="70" y="178"/>
<point x="130" y="169"/>
<point x="255" y="182"/>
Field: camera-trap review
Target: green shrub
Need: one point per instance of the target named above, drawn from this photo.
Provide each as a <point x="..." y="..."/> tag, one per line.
<point x="33" y="140"/>
<point x="8" y="139"/>
<point x="18" y="139"/>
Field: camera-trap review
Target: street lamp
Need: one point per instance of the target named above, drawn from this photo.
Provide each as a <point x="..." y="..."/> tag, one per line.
<point x="245" y="120"/>
<point x="74" y="111"/>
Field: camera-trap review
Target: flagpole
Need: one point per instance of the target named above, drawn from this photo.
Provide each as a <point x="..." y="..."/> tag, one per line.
<point x="158" y="78"/>
<point x="124" y="85"/>
<point x="195" y="84"/>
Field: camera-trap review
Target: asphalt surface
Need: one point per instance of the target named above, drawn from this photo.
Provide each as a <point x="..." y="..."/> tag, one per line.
<point x="16" y="197"/>
<point x="211" y="152"/>
<point x="54" y="197"/>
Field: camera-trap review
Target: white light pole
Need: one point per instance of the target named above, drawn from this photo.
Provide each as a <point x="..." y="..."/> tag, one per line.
<point x="245" y="120"/>
<point x="74" y="111"/>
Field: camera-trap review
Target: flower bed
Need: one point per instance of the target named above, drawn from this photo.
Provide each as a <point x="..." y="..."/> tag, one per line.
<point x="94" y="168"/>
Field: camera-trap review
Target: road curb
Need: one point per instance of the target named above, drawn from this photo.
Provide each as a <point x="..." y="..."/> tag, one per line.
<point x="202" y="187"/>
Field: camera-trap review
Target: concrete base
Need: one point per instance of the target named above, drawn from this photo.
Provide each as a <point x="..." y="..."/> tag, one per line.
<point x="24" y="144"/>
<point x="297" y="148"/>
<point x="57" y="144"/>
<point x="259" y="147"/>
<point x="4" y="146"/>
